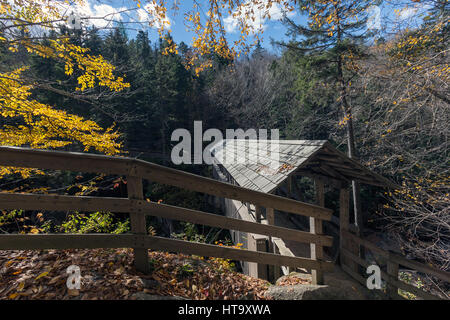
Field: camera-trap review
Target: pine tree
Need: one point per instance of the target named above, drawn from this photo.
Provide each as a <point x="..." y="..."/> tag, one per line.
<point x="336" y="29"/>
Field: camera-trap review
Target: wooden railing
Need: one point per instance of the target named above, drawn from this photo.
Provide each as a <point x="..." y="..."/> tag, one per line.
<point x="351" y="260"/>
<point x="136" y="170"/>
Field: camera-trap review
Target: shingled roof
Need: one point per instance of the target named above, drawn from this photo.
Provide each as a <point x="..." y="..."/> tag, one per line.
<point x="252" y="167"/>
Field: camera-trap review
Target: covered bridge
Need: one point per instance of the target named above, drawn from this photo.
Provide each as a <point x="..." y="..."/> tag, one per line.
<point x="275" y="167"/>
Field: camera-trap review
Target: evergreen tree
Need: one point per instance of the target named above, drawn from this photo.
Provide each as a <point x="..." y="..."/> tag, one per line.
<point x="333" y="36"/>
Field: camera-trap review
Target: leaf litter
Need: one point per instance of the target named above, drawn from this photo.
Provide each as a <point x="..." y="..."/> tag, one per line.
<point x="109" y="274"/>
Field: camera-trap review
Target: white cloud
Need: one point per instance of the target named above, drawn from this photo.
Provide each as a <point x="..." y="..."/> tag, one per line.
<point x="149" y="15"/>
<point x="100" y="15"/>
<point x="407" y="13"/>
<point x="259" y="13"/>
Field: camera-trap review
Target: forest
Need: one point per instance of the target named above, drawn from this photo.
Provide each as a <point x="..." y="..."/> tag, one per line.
<point x="380" y="97"/>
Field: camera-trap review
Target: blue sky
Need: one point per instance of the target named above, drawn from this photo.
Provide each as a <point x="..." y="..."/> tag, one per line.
<point x="273" y="29"/>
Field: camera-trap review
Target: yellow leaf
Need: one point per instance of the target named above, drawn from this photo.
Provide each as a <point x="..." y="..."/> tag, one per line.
<point x="13" y="296"/>
<point x="20" y="286"/>
<point x="43" y="274"/>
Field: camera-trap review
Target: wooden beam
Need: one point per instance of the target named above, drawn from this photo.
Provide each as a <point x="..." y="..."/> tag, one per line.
<point x="192" y="182"/>
<point x="258" y="214"/>
<point x="394" y="281"/>
<point x="91" y="241"/>
<point x="316" y="228"/>
<point x="443" y="275"/>
<point x="139" y="207"/>
<point x="273" y="271"/>
<point x="62" y="203"/>
<point x="344" y="222"/>
<point x="270" y="216"/>
<point x="207" y="250"/>
<point x="66" y="241"/>
<point x="44" y="159"/>
<point x="326" y="179"/>
<point x="391" y="288"/>
<point x="138" y="223"/>
<point x="334" y="173"/>
<point x="379" y="179"/>
<point x="63" y="160"/>
<point x="214" y="220"/>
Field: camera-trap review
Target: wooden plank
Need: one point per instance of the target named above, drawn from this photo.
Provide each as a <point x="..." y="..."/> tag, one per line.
<point x="138" y="223"/>
<point x="355" y="258"/>
<point x="443" y="275"/>
<point x="208" y="250"/>
<point x="257" y="243"/>
<point x="273" y="271"/>
<point x="316" y="228"/>
<point x="394" y="281"/>
<point x="344" y="219"/>
<point x="44" y="159"/>
<point x="63" y="160"/>
<point x="325" y="178"/>
<point x="214" y="220"/>
<point x="391" y="288"/>
<point x="334" y="173"/>
<point x="377" y="178"/>
<point x="354" y="274"/>
<point x="258" y="214"/>
<point x="366" y="244"/>
<point x="70" y="203"/>
<point x="270" y="216"/>
<point x="401" y="260"/>
<point x="66" y="241"/>
<point x="62" y="203"/>
<point x="412" y="289"/>
<point x="91" y="241"/>
<point x="192" y="182"/>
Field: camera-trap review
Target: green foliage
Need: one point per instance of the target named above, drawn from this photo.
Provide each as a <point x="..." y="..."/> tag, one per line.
<point x="185" y="270"/>
<point x="98" y="222"/>
<point x="8" y="217"/>
<point x="190" y="234"/>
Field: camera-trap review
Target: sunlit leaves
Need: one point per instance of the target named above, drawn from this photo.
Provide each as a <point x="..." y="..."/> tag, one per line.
<point x="42" y="126"/>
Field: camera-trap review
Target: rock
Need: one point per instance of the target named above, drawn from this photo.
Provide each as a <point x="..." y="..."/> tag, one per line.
<point x="146" y="296"/>
<point x="338" y="286"/>
<point x="310" y="292"/>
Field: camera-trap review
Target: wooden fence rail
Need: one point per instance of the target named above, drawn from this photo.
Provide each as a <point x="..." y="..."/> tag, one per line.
<point x="136" y="170"/>
<point x="391" y="275"/>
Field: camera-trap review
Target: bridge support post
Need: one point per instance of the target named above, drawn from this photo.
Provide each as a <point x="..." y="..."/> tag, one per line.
<point x="316" y="227"/>
<point x="392" y="271"/>
<point x="138" y="223"/>
<point x="344" y="224"/>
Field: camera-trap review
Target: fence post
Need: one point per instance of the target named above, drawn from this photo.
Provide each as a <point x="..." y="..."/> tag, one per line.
<point x="392" y="271"/>
<point x="258" y="214"/>
<point x="344" y="222"/>
<point x="138" y="223"/>
<point x="315" y="227"/>
<point x="274" y="271"/>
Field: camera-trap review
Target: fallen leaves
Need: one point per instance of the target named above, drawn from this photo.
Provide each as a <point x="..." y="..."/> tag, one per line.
<point x="43" y="274"/>
<point x="109" y="274"/>
<point x="292" y="281"/>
